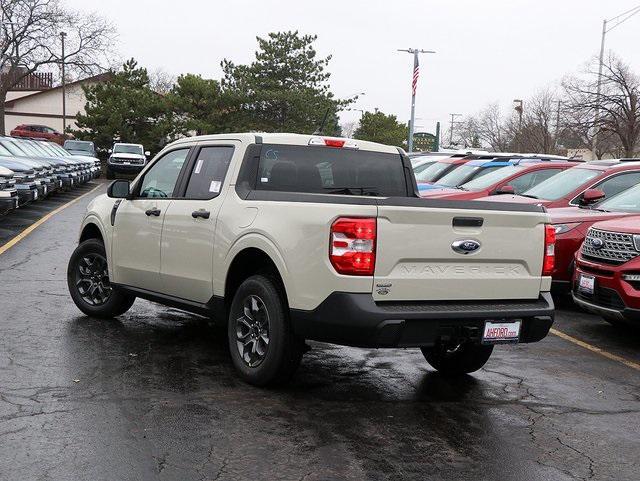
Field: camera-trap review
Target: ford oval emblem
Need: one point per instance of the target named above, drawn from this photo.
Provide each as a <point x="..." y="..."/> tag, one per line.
<point x="465" y="246"/>
<point x="597" y="243"/>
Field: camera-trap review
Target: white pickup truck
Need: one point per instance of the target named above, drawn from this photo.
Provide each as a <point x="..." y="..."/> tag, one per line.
<point x="288" y="238"/>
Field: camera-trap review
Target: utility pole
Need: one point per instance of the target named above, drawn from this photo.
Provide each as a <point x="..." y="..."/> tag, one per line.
<point x="414" y="85"/>
<point x="64" y="86"/>
<point x="617" y="20"/>
<point x="453" y="122"/>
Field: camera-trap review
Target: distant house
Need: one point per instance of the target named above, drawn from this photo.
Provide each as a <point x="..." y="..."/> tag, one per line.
<point x="36" y="101"/>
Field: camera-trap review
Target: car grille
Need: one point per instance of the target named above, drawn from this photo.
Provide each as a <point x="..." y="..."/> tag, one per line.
<point x="618" y="247"/>
<point x="116" y="160"/>
<point x="603" y="297"/>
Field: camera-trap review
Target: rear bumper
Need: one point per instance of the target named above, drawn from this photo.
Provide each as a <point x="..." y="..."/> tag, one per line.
<point x="356" y="320"/>
<point x="8" y="203"/>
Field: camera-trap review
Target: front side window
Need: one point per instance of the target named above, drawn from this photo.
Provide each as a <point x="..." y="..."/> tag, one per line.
<point x="618" y="183"/>
<point x="293" y="168"/>
<point x="160" y="180"/>
<point x="209" y="172"/>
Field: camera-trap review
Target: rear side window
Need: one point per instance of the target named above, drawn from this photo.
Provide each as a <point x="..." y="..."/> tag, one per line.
<point x="209" y="172"/>
<point x="326" y="170"/>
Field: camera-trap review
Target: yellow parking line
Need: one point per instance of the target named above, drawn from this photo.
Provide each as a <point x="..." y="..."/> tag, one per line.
<point x="5" y="247"/>
<point x="597" y="350"/>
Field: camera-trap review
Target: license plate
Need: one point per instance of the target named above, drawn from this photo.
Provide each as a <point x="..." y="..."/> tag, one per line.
<point x="126" y="163"/>
<point x="501" y="332"/>
<point x="587" y="284"/>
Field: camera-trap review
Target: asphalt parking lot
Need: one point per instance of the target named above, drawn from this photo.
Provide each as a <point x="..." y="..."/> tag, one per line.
<point x="153" y="395"/>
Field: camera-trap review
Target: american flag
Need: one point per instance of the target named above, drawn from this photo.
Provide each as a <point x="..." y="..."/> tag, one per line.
<point x="416" y="74"/>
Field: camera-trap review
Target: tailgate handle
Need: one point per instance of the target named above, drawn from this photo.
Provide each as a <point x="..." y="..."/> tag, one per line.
<point x="467" y="221"/>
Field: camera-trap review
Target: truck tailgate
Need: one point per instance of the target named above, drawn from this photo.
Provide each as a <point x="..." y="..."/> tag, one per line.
<point x="416" y="259"/>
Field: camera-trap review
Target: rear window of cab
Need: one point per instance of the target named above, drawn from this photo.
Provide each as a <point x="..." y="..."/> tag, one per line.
<point x="327" y="170"/>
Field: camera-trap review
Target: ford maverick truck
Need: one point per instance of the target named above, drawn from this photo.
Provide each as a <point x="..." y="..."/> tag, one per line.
<point x="287" y="238"/>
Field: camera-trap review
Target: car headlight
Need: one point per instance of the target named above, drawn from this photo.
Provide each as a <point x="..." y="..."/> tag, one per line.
<point x="636" y="242"/>
<point x="563" y="228"/>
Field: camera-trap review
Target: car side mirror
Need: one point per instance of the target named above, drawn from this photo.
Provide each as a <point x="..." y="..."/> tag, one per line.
<point x="110" y="151"/>
<point x="147" y="153"/>
<point x="119" y="189"/>
<point x="505" y="189"/>
<point x="591" y="196"/>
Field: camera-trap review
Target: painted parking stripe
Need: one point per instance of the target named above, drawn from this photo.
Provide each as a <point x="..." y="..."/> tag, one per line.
<point x="597" y="350"/>
<point x="4" y="248"/>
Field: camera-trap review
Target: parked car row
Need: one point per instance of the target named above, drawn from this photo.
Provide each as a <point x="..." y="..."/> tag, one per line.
<point x="31" y="170"/>
<point x="591" y="205"/>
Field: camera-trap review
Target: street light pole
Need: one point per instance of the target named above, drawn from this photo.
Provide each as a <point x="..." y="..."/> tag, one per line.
<point x="414" y="84"/>
<point x="453" y="122"/>
<point x="519" y="107"/>
<point x="64" y="86"/>
<point x="617" y="20"/>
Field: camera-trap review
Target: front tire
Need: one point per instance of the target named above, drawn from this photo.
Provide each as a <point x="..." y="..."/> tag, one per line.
<point x="457" y="360"/>
<point x="263" y="348"/>
<point x="88" y="282"/>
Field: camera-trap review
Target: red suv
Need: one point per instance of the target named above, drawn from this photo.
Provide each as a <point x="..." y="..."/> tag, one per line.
<point x="572" y="224"/>
<point x="607" y="278"/>
<point x="581" y="185"/>
<point x="39" y="132"/>
<point x="517" y="176"/>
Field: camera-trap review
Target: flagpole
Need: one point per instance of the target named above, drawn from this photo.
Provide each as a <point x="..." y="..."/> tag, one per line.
<point x="414" y="86"/>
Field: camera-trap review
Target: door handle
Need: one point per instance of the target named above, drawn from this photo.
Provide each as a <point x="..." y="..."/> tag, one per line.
<point x="155" y="211"/>
<point x="200" y="213"/>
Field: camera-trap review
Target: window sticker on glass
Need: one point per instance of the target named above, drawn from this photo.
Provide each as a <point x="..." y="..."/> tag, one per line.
<point x="214" y="186"/>
<point x="198" y="166"/>
<point x="264" y="179"/>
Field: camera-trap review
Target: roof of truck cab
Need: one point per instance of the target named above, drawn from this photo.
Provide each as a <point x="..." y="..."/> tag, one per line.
<point x="283" y="139"/>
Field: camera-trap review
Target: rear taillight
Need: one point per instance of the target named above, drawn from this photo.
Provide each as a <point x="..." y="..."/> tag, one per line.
<point x="353" y="246"/>
<point x="548" y="262"/>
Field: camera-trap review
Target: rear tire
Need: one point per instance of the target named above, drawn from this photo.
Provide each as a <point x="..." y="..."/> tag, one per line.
<point x="89" y="286"/>
<point x="467" y="358"/>
<point x="263" y="348"/>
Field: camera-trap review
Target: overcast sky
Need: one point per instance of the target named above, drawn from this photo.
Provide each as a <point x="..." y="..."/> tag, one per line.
<point x="487" y="50"/>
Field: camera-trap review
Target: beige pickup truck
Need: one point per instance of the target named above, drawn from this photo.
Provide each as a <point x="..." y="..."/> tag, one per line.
<point x="288" y="238"/>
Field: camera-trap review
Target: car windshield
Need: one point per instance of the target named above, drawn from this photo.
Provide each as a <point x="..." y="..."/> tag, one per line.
<point x="5" y="151"/>
<point x="492" y="177"/>
<point x="434" y="171"/>
<point x="627" y="201"/>
<point x="79" y="145"/>
<point x="13" y="148"/>
<point x="29" y="149"/>
<point x="562" y="184"/>
<point x="419" y="168"/>
<point x="464" y="173"/>
<point x="127" y="149"/>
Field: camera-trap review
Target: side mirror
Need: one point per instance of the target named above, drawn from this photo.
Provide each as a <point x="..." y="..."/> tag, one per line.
<point x="118" y="189"/>
<point x="591" y="196"/>
<point x="505" y="189"/>
<point x="147" y="153"/>
<point x="110" y="151"/>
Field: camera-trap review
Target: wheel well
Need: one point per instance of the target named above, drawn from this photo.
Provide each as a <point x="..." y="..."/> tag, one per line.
<point x="247" y="263"/>
<point x="90" y="231"/>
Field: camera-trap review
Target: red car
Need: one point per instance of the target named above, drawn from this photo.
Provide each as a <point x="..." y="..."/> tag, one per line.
<point x="572" y="224"/>
<point x="518" y="175"/>
<point x="39" y="132"/>
<point x="581" y="185"/>
<point x="607" y="277"/>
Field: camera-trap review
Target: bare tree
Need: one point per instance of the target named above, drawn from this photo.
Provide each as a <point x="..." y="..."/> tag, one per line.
<point x="161" y="81"/>
<point x="618" y="104"/>
<point x="349" y="127"/>
<point x="539" y="124"/>
<point x="30" y="40"/>
<point x="492" y="129"/>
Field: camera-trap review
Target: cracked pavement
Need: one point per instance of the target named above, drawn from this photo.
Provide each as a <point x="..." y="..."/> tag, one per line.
<point x="153" y="395"/>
